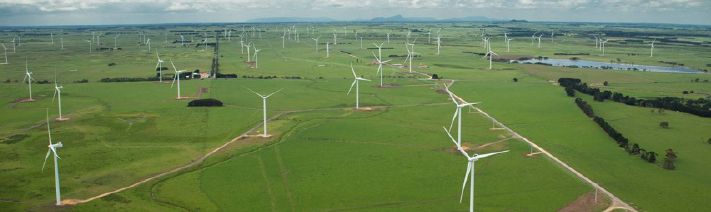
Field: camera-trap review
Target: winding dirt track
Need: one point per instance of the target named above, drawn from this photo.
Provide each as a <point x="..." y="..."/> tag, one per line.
<point x="617" y="203"/>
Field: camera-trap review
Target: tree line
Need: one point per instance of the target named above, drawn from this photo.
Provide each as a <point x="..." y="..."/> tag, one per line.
<point x="622" y="141"/>
<point x="700" y="107"/>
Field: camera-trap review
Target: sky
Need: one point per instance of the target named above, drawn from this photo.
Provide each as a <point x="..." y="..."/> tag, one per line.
<point x="100" y="12"/>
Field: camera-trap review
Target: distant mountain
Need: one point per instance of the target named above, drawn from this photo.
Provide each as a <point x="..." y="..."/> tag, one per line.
<point x="290" y="19"/>
<point x="400" y="18"/>
<point x="394" y="19"/>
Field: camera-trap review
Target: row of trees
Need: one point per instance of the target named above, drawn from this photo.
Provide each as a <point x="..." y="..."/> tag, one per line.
<point x="621" y="140"/>
<point x="700" y="107"/>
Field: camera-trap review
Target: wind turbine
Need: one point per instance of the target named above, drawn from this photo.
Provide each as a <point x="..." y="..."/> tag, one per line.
<point x="116" y="41"/>
<point x="283" y="42"/>
<point x="159" y="66"/>
<point x="380" y="63"/>
<point x="533" y="38"/>
<point x="651" y="53"/>
<point x="28" y="77"/>
<point x="264" y="106"/>
<point x="508" y="44"/>
<point x="249" y="57"/>
<point x="335" y="39"/>
<point x="316" y="40"/>
<point x="410" y="53"/>
<point x="355" y="82"/>
<point x="539" y="40"/>
<point x="470" y="171"/>
<point x="602" y="44"/>
<point x="51" y="36"/>
<point x="5" y="49"/>
<point x="61" y="42"/>
<point x="256" y="61"/>
<point x="241" y="44"/>
<point x="439" y="43"/>
<point x="176" y="77"/>
<point x="58" y="94"/>
<point x="388" y="36"/>
<point x="148" y="41"/>
<point x="327" y="50"/>
<point x="490" y="54"/>
<point x="13" y="45"/>
<point x="457" y="115"/>
<point x="53" y="150"/>
<point x="90" y="42"/>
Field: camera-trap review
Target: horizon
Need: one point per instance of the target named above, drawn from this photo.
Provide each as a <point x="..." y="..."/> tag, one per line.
<point x="141" y="12"/>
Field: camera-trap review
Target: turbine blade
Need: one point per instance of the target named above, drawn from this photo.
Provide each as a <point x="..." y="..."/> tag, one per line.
<point x="45" y="159"/>
<point x="450" y="135"/>
<point x="260" y="95"/>
<point x="352" y="84"/>
<point x="456" y="111"/>
<point x="466" y="177"/>
<point x="54" y="95"/>
<point x="489" y="154"/>
<point x="353" y="71"/>
<point x="273" y="93"/>
<point x="174" y="78"/>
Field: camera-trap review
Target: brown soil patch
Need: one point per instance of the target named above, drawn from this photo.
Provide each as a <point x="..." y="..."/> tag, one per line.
<point x="62" y="119"/>
<point x="586" y="203"/>
<point x="184" y="97"/>
<point x="23" y="100"/>
<point x="388" y="86"/>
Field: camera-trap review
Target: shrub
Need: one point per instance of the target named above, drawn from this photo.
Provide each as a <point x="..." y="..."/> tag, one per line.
<point x="664" y="124"/>
<point x="570" y="92"/>
<point x="708" y="141"/>
<point x="205" y="103"/>
<point x="515" y="79"/>
<point x="82" y="81"/>
<point x="112" y="64"/>
<point x="435" y="76"/>
<point x="605" y="83"/>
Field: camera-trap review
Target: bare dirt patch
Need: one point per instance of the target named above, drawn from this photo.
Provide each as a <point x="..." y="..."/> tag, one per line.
<point x="586" y="203"/>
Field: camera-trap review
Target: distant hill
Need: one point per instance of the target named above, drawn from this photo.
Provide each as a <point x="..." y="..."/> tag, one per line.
<point x="400" y="18"/>
<point x="395" y="18"/>
<point x="290" y="19"/>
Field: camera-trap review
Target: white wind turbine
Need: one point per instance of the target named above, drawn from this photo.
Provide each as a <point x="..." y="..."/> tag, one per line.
<point x="13" y="45"/>
<point x="28" y="77"/>
<point x="539" y="40"/>
<point x="490" y="54"/>
<point x="249" y="53"/>
<point x="51" y="36"/>
<point x="148" y="42"/>
<point x="116" y="41"/>
<point x="596" y="42"/>
<point x="58" y="94"/>
<point x="176" y="77"/>
<point x="335" y="39"/>
<point x="388" y="36"/>
<point x="410" y="53"/>
<point x="533" y="39"/>
<point x="264" y="107"/>
<point x="53" y="150"/>
<point x="651" y="53"/>
<point x="283" y="42"/>
<point x="602" y="44"/>
<point x="356" y="84"/>
<point x="4" y="49"/>
<point x="457" y="115"/>
<point x="439" y="43"/>
<point x="61" y="43"/>
<point x="90" y="43"/>
<point x="241" y="44"/>
<point x="380" y="62"/>
<point x="256" y="61"/>
<point x="470" y="171"/>
<point x="508" y="44"/>
<point x="327" y="50"/>
<point x="506" y="37"/>
<point x="159" y="66"/>
<point x="316" y="40"/>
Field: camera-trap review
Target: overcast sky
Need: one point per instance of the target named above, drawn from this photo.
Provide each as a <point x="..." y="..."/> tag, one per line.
<point x="79" y="12"/>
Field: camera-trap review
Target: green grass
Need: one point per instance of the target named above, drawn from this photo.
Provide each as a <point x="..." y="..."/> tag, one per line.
<point x="327" y="157"/>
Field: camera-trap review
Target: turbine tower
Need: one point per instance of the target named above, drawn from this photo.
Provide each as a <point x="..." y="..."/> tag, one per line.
<point x="53" y="150"/>
<point x="470" y="171"/>
<point x="176" y="77"/>
<point x="356" y="84"/>
<point x="159" y="66"/>
<point x="380" y="62"/>
<point x="264" y="107"/>
<point x="58" y="94"/>
<point x="28" y="77"/>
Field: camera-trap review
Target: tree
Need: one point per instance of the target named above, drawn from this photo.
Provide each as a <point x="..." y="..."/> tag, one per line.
<point x="709" y="141"/>
<point x="669" y="160"/>
<point x="605" y="83"/>
<point x="570" y="92"/>
<point x="651" y="157"/>
<point x="664" y="124"/>
<point x="515" y="79"/>
<point x="435" y="76"/>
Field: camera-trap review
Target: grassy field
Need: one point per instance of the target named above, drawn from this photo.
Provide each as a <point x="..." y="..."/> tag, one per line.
<point x="326" y="156"/>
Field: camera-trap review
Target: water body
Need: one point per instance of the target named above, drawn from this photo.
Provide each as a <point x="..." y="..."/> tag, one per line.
<point x="605" y="65"/>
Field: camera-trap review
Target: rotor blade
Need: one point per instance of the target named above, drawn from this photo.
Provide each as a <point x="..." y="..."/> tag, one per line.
<point x="255" y="92"/>
<point x="353" y="84"/>
<point x="174" y="78"/>
<point x="489" y="154"/>
<point x="54" y="151"/>
<point x="273" y="93"/>
<point x="456" y="111"/>
<point x="45" y="159"/>
<point x="54" y="95"/>
<point x="359" y="78"/>
<point x="353" y="70"/>
<point x="386" y="61"/>
<point x="171" y="63"/>
<point x="466" y="177"/>
<point x="49" y="133"/>
<point x="450" y="135"/>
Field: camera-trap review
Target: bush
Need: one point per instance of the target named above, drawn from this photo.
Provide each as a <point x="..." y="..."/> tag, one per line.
<point x="205" y="103"/>
<point x="82" y="81"/>
<point x="112" y="64"/>
<point x="515" y="79"/>
<point x="435" y="76"/>
<point x="605" y="83"/>
<point x="664" y="124"/>
<point x="708" y="141"/>
<point x="570" y="92"/>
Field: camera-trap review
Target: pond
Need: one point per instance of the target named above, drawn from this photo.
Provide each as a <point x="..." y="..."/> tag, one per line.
<point x="605" y="65"/>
